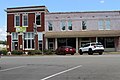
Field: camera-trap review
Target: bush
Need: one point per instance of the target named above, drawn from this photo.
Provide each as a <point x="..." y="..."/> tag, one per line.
<point x="33" y="52"/>
<point x="49" y="52"/>
<point x="3" y="52"/>
<point x="16" y="52"/>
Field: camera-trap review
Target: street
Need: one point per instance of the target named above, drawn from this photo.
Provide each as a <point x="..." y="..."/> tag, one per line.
<point x="76" y="67"/>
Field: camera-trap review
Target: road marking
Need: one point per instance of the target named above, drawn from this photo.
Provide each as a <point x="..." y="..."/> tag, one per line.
<point x="61" y="72"/>
<point x="12" y="68"/>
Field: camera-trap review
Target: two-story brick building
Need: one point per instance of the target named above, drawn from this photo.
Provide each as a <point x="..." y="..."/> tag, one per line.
<point x="25" y="26"/>
<point x="30" y="28"/>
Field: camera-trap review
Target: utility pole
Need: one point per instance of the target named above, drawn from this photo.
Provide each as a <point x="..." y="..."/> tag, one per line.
<point x="35" y="32"/>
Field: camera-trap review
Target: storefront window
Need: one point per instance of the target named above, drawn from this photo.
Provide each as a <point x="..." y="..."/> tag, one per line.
<point x="29" y="41"/>
<point x="107" y="42"/>
<point x="110" y="43"/>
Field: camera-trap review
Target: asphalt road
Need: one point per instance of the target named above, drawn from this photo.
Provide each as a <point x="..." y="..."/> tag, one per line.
<point x="77" y="67"/>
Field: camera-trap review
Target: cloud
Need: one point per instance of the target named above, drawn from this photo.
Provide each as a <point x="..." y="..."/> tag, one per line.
<point x="3" y="33"/>
<point x="102" y="1"/>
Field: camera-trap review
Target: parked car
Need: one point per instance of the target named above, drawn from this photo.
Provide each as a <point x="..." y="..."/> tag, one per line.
<point x="90" y="48"/>
<point x="63" y="50"/>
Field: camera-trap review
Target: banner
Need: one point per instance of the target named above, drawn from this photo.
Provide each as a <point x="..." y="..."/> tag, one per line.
<point x="20" y="29"/>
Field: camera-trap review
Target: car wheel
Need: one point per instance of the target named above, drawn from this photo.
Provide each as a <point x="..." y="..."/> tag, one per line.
<point x="100" y="53"/>
<point x="90" y="52"/>
<point x="80" y="52"/>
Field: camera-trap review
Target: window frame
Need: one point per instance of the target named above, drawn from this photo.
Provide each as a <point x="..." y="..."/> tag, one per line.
<point x="107" y="24"/>
<point x="63" y="25"/>
<point x="38" y="25"/>
<point x="27" y="39"/>
<point x="70" y="25"/>
<point x="23" y="21"/>
<point x="101" y="25"/>
<point x="15" y="20"/>
<point x="85" y="21"/>
<point x="50" y="26"/>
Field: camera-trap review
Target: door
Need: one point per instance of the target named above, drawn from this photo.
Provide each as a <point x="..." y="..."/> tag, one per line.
<point x="15" y="46"/>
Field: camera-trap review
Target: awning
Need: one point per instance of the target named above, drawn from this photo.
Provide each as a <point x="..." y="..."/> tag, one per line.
<point x="92" y="33"/>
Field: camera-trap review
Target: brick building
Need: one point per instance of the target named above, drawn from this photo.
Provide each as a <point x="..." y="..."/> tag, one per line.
<point x="30" y="28"/>
<point x="77" y="28"/>
<point x="25" y="26"/>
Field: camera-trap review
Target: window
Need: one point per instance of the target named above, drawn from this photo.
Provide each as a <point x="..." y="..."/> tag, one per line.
<point x="107" y="24"/>
<point x="50" y="26"/>
<point x="63" y="25"/>
<point x="84" y="26"/>
<point x="110" y="43"/>
<point x="69" y="25"/>
<point x="29" y="41"/>
<point x="25" y="20"/>
<point x="17" y="20"/>
<point x="104" y="24"/>
<point x="38" y="19"/>
<point x="14" y="36"/>
<point x="101" y="24"/>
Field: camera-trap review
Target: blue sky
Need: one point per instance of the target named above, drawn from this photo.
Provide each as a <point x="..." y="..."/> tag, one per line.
<point x="56" y="6"/>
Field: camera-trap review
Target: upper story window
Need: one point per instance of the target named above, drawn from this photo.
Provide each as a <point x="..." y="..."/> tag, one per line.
<point x="17" y="20"/>
<point x="107" y="24"/>
<point x="50" y="26"/>
<point x="84" y="25"/>
<point x="25" y="20"/>
<point x="14" y="36"/>
<point x="101" y="24"/>
<point x="63" y="25"/>
<point x="38" y="19"/>
<point x="104" y="24"/>
<point x="69" y="25"/>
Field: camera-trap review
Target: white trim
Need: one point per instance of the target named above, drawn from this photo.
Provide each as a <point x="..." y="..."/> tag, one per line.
<point x="22" y="9"/>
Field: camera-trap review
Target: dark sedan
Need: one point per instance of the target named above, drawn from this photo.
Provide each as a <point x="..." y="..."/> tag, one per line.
<point x="63" y="50"/>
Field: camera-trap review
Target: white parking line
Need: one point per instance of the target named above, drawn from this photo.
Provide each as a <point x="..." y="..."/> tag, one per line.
<point x="11" y="68"/>
<point x="61" y="72"/>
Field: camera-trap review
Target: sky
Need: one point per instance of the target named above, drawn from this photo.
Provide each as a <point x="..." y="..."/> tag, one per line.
<point x="56" y="6"/>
